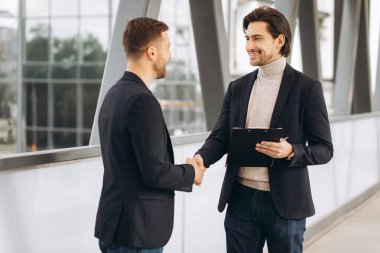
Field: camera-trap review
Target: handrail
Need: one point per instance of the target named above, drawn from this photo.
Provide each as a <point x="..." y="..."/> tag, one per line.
<point x="19" y="160"/>
<point x="334" y="119"/>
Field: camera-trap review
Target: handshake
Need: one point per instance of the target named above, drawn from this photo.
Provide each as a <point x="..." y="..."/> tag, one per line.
<point x="197" y="163"/>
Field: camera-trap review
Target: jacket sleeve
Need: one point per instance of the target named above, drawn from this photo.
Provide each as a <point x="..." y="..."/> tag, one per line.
<point x="216" y="145"/>
<point x="319" y="148"/>
<point x="147" y="129"/>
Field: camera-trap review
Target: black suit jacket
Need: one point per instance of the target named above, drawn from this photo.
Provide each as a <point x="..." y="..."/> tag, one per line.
<point x="136" y="207"/>
<point x="301" y="110"/>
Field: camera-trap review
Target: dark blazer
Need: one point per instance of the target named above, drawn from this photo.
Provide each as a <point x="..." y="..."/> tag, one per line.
<point x="136" y="207"/>
<point x="301" y="110"/>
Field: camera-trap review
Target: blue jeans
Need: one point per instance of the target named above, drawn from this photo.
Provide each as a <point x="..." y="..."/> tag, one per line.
<point x="252" y="219"/>
<point x="109" y="248"/>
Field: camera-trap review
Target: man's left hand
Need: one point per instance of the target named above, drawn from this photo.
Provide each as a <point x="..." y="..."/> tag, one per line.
<point x="280" y="149"/>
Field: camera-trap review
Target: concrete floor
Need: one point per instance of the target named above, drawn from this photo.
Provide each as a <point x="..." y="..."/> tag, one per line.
<point x="357" y="232"/>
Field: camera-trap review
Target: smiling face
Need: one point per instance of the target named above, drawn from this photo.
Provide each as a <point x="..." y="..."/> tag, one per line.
<point x="261" y="47"/>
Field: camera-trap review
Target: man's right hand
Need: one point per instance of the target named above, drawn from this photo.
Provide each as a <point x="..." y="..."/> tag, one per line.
<point x="199" y="170"/>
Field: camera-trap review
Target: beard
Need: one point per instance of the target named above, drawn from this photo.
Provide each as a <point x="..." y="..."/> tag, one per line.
<point x="261" y="59"/>
<point x="160" y="71"/>
<point x="161" y="74"/>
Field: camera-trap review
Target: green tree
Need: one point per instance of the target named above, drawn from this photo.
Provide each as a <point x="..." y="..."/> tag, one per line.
<point x="37" y="48"/>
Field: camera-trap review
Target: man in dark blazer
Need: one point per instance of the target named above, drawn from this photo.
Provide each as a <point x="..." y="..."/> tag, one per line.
<point x="136" y="207"/>
<point x="270" y="204"/>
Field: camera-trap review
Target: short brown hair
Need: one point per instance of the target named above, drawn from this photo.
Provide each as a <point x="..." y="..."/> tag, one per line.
<point x="139" y="32"/>
<point x="277" y="24"/>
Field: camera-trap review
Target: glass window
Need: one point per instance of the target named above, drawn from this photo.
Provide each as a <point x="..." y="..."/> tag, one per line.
<point x="65" y="49"/>
<point x="39" y="71"/>
<point x="36" y="140"/>
<point x="64" y="8"/>
<point x="90" y="99"/>
<point x="181" y="104"/>
<point x="37" y="40"/>
<point x="326" y="33"/>
<point x="8" y="8"/>
<point x="98" y="7"/>
<point x="92" y="71"/>
<point x="8" y="70"/>
<point x="65" y="105"/>
<point x="65" y="45"/>
<point x="7" y="117"/>
<point x="36" y="8"/>
<point x="64" y="139"/>
<point x="36" y="104"/>
<point x="64" y="71"/>
<point x="94" y="38"/>
<point x="8" y="75"/>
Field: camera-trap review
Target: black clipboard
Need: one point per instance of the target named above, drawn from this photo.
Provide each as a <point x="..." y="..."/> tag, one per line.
<point x="242" y="152"/>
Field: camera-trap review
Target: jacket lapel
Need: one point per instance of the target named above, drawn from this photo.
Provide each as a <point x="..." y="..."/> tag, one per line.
<point x="283" y="93"/>
<point x="245" y="94"/>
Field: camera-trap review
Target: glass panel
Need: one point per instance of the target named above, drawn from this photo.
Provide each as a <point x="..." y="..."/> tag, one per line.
<point x="65" y="40"/>
<point x="326" y="33"/>
<point x="8" y="39"/>
<point x="64" y="140"/>
<point x="7" y="117"/>
<point x="90" y="99"/>
<point x="95" y="38"/>
<point x="38" y="8"/>
<point x="65" y="105"/>
<point x="35" y="71"/>
<point x="86" y="138"/>
<point x="98" y="7"/>
<point x="66" y="71"/>
<point x="8" y="75"/>
<point x="37" y="40"/>
<point x="180" y="94"/>
<point x="91" y="72"/>
<point x="8" y="8"/>
<point x="36" y="104"/>
<point x="36" y="140"/>
<point x="64" y="8"/>
<point x="8" y="70"/>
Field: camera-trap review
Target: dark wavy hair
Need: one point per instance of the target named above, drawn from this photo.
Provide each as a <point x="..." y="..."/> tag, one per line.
<point x="277" y="24"/>
<point x="139" y="32"/>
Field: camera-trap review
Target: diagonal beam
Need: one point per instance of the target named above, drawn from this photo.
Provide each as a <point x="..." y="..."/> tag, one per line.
<point x="338" y="10"/>
<point x="376" y="100"/>
<point x="212" y="54"/>
<point x="377" y="87"/>
<point x="361" y="99"/>
<point x="309" y="34"/>
<point x="347" y="51"/>
<point x="116" y="60"/>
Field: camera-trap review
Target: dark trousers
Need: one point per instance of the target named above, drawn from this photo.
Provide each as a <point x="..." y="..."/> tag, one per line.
<point x="252" y="219"/>
<point x="110" y="248"/>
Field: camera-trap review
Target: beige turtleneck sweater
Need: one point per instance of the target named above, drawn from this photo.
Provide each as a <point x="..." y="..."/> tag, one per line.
<point x="260" y="108"/>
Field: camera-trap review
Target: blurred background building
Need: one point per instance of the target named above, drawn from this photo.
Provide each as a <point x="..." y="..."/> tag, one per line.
<point x="53" y="53"/>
